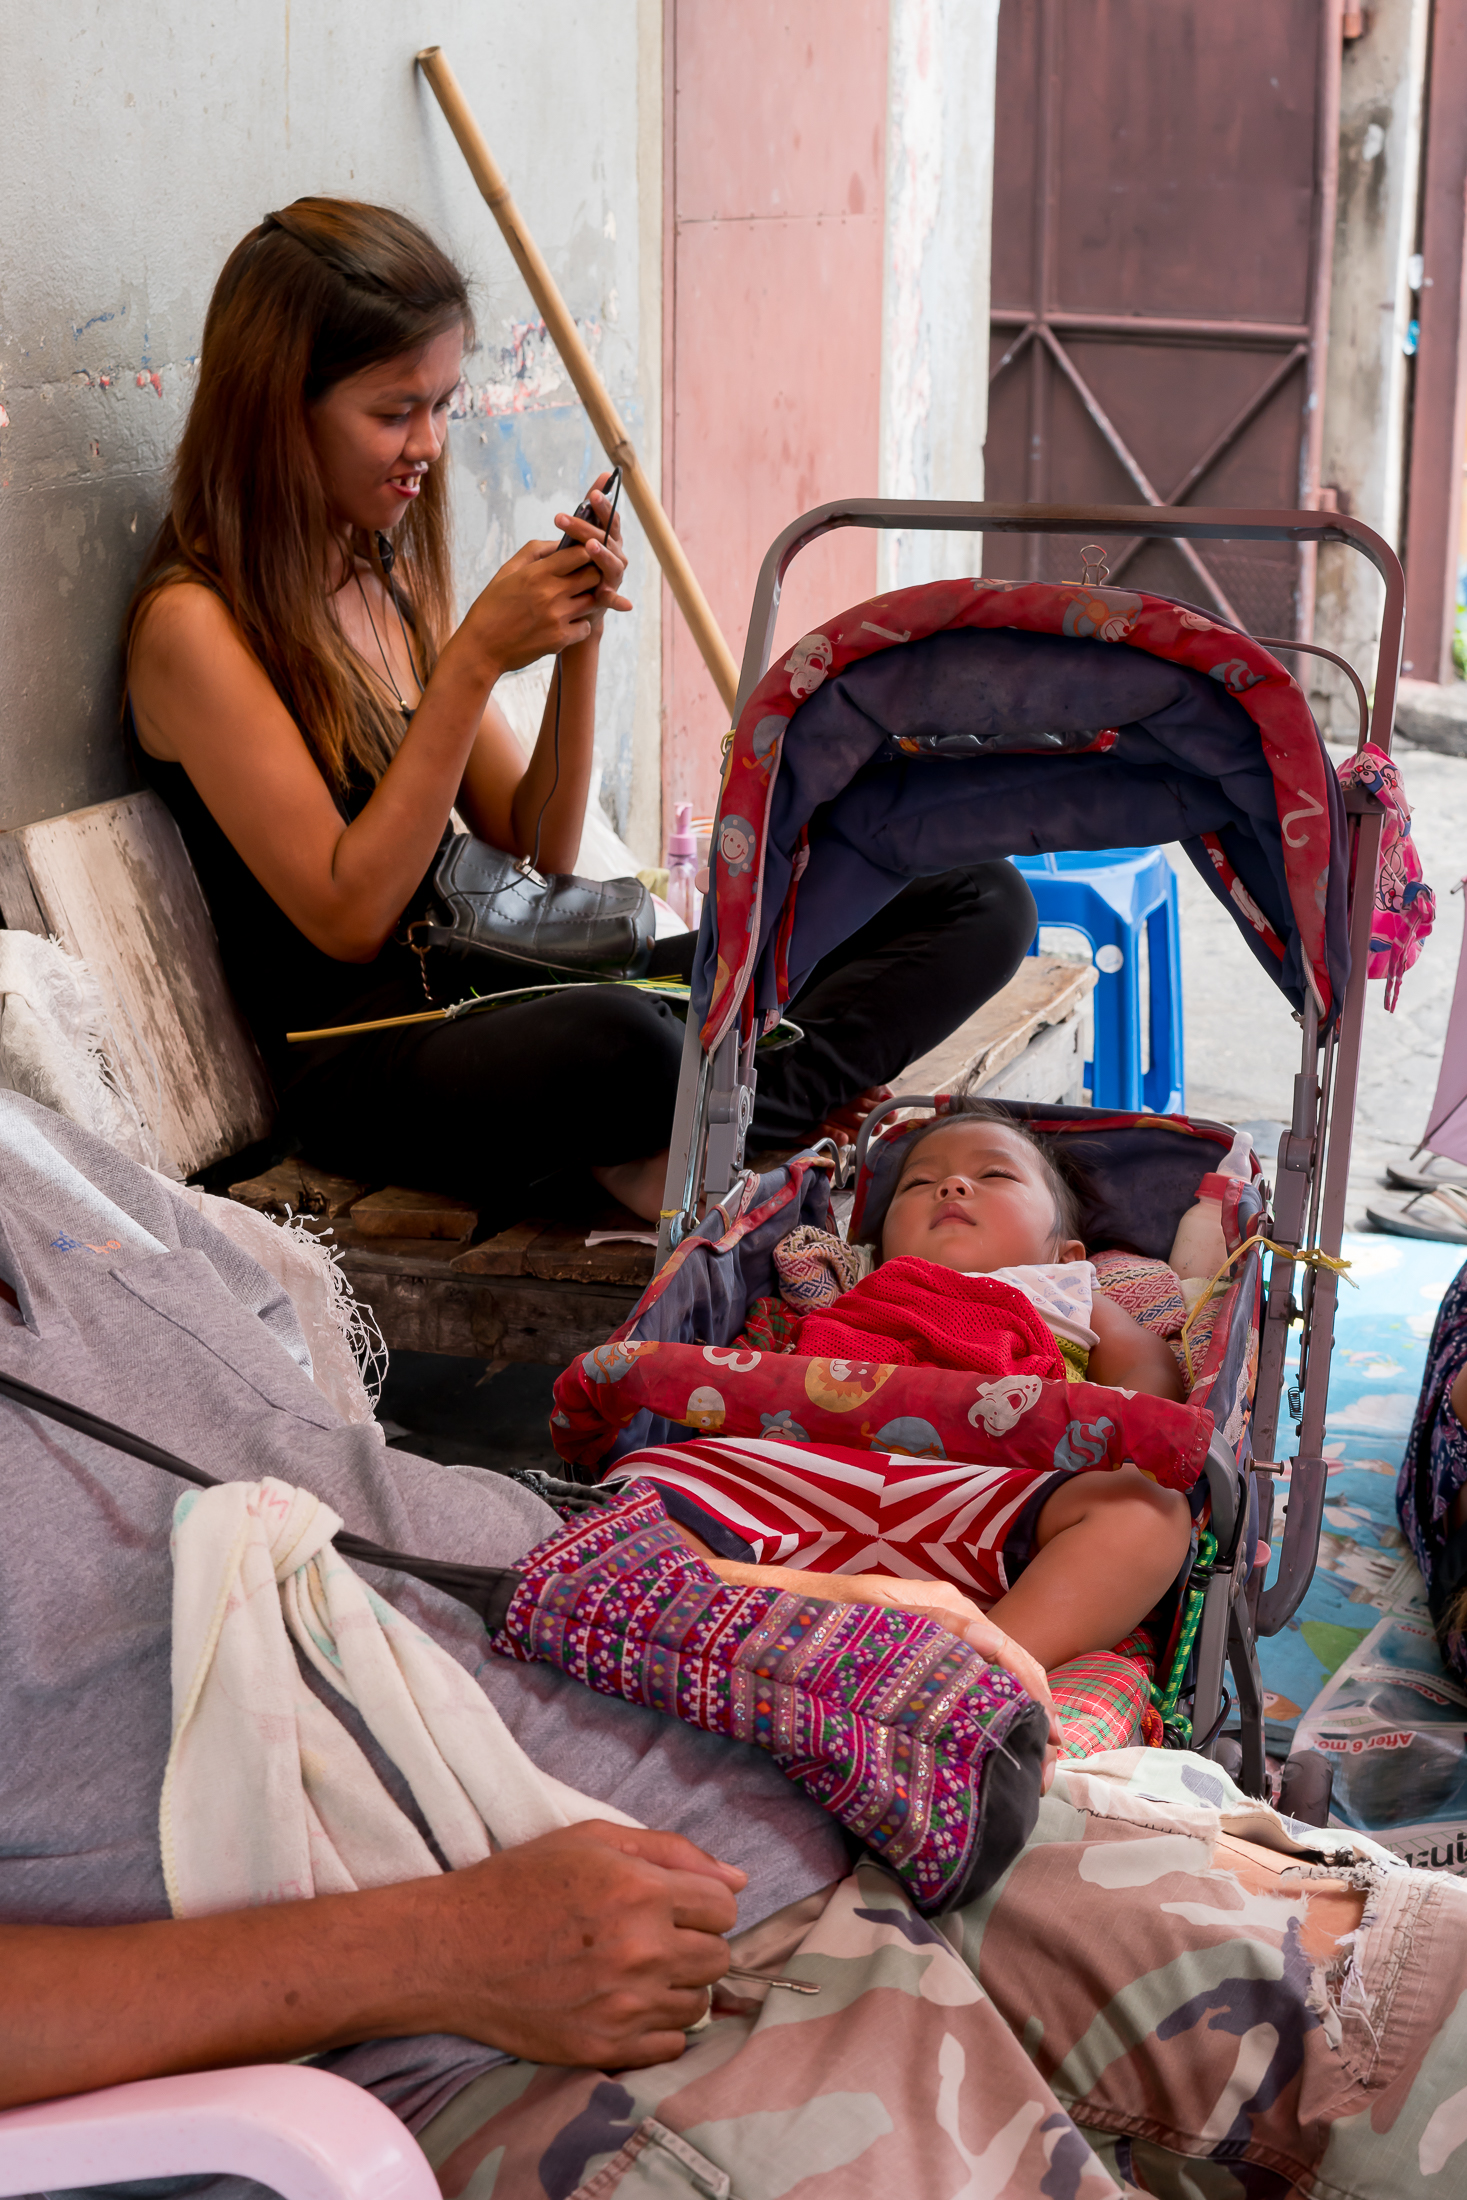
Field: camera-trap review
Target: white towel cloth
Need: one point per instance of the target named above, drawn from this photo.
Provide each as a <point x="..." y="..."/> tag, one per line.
<point x="266" y="1796"/>
<point x="58" y="1047"/>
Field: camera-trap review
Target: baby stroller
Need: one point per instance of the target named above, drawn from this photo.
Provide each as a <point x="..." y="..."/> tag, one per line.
<point x="956" y="722"/>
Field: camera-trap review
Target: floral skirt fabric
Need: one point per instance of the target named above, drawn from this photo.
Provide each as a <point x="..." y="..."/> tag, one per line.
<point x="1435" y="1466"/>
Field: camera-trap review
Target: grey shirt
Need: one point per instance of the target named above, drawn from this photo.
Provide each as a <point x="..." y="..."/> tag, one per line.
<point x="134" y="1306"/>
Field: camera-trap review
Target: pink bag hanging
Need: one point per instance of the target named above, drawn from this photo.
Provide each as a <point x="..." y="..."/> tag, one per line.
<point x="1405" y="906"/>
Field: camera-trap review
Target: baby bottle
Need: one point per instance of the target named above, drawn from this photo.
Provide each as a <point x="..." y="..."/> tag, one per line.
<point x="1199" y="1247"/>
<point x="683" y="897"/>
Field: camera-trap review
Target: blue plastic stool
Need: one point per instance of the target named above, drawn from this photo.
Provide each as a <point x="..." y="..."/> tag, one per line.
<point x="1111" y="894"/>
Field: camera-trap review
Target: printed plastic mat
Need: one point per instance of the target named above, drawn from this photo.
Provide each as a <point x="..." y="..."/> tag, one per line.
<point x="1356" y="1671"/>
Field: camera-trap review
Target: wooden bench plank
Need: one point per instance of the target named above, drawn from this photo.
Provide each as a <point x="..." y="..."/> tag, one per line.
<point x="557" y="1252"/>
<point x="19" y="908"/>
<point x="1051" y="1068"/>
<point x="295" y="1188"/>
<point x="560" y="1254"/>
<point x="1044" y="991"/>
<point x="503" y="1255"/>
<point x="424" y="1304"/>
<point x="398" y="1211"/>
<point x="115" y="885"/>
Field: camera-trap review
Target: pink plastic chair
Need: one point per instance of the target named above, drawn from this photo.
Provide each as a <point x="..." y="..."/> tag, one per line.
<point x="304" y="2133"/>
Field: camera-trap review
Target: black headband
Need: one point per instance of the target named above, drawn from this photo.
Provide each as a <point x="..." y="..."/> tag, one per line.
<point x="329" y="255"/>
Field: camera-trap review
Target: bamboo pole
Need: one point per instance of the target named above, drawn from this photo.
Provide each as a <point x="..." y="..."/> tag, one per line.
<point x="589" y="386"/>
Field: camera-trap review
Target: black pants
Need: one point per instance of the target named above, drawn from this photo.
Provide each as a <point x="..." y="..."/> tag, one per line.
<point x="892" y="991"/>
<point x="511" y="1108"/>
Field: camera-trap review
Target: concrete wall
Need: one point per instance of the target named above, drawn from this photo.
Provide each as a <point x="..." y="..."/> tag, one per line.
<point x="939" y="204"/>
<point x="1371" y="303"/>
<point x="141" y="143"/>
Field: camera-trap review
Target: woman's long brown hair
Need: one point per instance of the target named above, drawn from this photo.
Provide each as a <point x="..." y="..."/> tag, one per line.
<point x="318" y="292"/>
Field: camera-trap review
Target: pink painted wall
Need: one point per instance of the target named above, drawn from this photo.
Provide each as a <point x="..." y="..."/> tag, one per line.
<point x="775" y="191"/>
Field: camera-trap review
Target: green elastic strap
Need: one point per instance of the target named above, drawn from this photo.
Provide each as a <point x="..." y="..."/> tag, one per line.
<point x="1175" y="1721"/>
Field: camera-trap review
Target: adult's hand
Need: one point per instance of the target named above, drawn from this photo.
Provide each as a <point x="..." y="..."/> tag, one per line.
<point x="537" y="604"/>
<point x="609" y="556"/>
<point x="935" y="1600"/>
<point x="843" y="1124"/>
<point x="594" y="1946"/>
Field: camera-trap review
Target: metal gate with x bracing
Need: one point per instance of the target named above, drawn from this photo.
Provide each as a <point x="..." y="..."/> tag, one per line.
<point x="1164" y="183"/>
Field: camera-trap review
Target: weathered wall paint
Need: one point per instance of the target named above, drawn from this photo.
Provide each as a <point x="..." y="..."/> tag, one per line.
<point x="939" y="203"/>
<point x="140" y="144"/>
<point x="776" y="192"/>
<point x="831" y="176"/>
<point x="1366" y="389"/>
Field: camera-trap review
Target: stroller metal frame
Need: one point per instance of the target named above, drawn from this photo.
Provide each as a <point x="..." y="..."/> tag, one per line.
<point x="715" y="1093"/>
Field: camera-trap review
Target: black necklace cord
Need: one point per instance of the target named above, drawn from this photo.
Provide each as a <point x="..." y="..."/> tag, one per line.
<point x="388" y="557"/>
<point x="486" y="1590"/>
<point x="403" y="704"/>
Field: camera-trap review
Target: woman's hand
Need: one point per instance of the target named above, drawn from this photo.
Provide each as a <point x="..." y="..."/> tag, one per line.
<point x="538" y="603"/>
<point x="544" y="599"/>
<point x="609" y="555"/>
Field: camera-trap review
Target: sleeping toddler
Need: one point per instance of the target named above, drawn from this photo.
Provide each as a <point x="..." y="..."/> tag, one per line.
<point x="981" y="1268"/>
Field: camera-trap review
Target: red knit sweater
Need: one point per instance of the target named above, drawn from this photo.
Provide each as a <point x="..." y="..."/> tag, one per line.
<point x="911" y="1313"/>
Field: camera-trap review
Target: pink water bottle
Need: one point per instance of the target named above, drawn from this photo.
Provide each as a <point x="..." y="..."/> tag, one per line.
<point x="683" y="897"/>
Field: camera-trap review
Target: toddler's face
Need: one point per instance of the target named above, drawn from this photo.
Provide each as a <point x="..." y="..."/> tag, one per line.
<point x="975" y="1197"/>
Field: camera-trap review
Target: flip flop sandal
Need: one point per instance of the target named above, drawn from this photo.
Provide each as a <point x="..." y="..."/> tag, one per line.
<point x="1440" y="1214"/>
<point x="1409" y="1180"/>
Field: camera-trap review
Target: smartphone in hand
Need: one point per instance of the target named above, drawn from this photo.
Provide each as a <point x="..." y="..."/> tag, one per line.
<point x="584" y="510"/>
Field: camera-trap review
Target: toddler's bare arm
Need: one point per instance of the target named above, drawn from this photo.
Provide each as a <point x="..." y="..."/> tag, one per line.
<point x="1130" y="1357"/>
<point x="1110" y="1543"/>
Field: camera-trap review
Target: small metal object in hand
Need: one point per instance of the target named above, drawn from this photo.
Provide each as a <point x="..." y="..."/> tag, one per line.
<point x="762" y="1978"/>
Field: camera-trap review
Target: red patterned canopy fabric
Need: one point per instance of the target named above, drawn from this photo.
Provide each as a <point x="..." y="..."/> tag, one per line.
<point x="1272" y="699"/>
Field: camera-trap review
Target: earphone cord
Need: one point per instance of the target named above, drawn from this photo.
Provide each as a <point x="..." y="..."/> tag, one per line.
<point x="555" y="782"/>
<point x="387" y="563"/>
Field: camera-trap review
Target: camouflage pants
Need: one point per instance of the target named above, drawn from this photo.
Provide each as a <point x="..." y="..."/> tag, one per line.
<point x="1136" y="2006"/>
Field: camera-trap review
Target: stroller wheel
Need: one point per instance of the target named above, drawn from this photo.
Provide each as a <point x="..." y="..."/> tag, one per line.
<point x="1304" y="1790"/>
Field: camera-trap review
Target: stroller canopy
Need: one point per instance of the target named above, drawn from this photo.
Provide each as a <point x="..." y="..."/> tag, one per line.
<point x="971" y="719"/>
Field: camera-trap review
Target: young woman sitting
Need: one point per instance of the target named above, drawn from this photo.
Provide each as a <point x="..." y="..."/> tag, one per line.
<point x="306" y="704"/>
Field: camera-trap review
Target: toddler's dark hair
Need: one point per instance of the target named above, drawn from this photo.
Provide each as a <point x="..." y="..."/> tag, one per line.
<point x="1064" y="1179"/>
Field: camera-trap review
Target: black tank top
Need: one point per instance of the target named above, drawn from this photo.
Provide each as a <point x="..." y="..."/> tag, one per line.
<point x="282" y="981"/>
